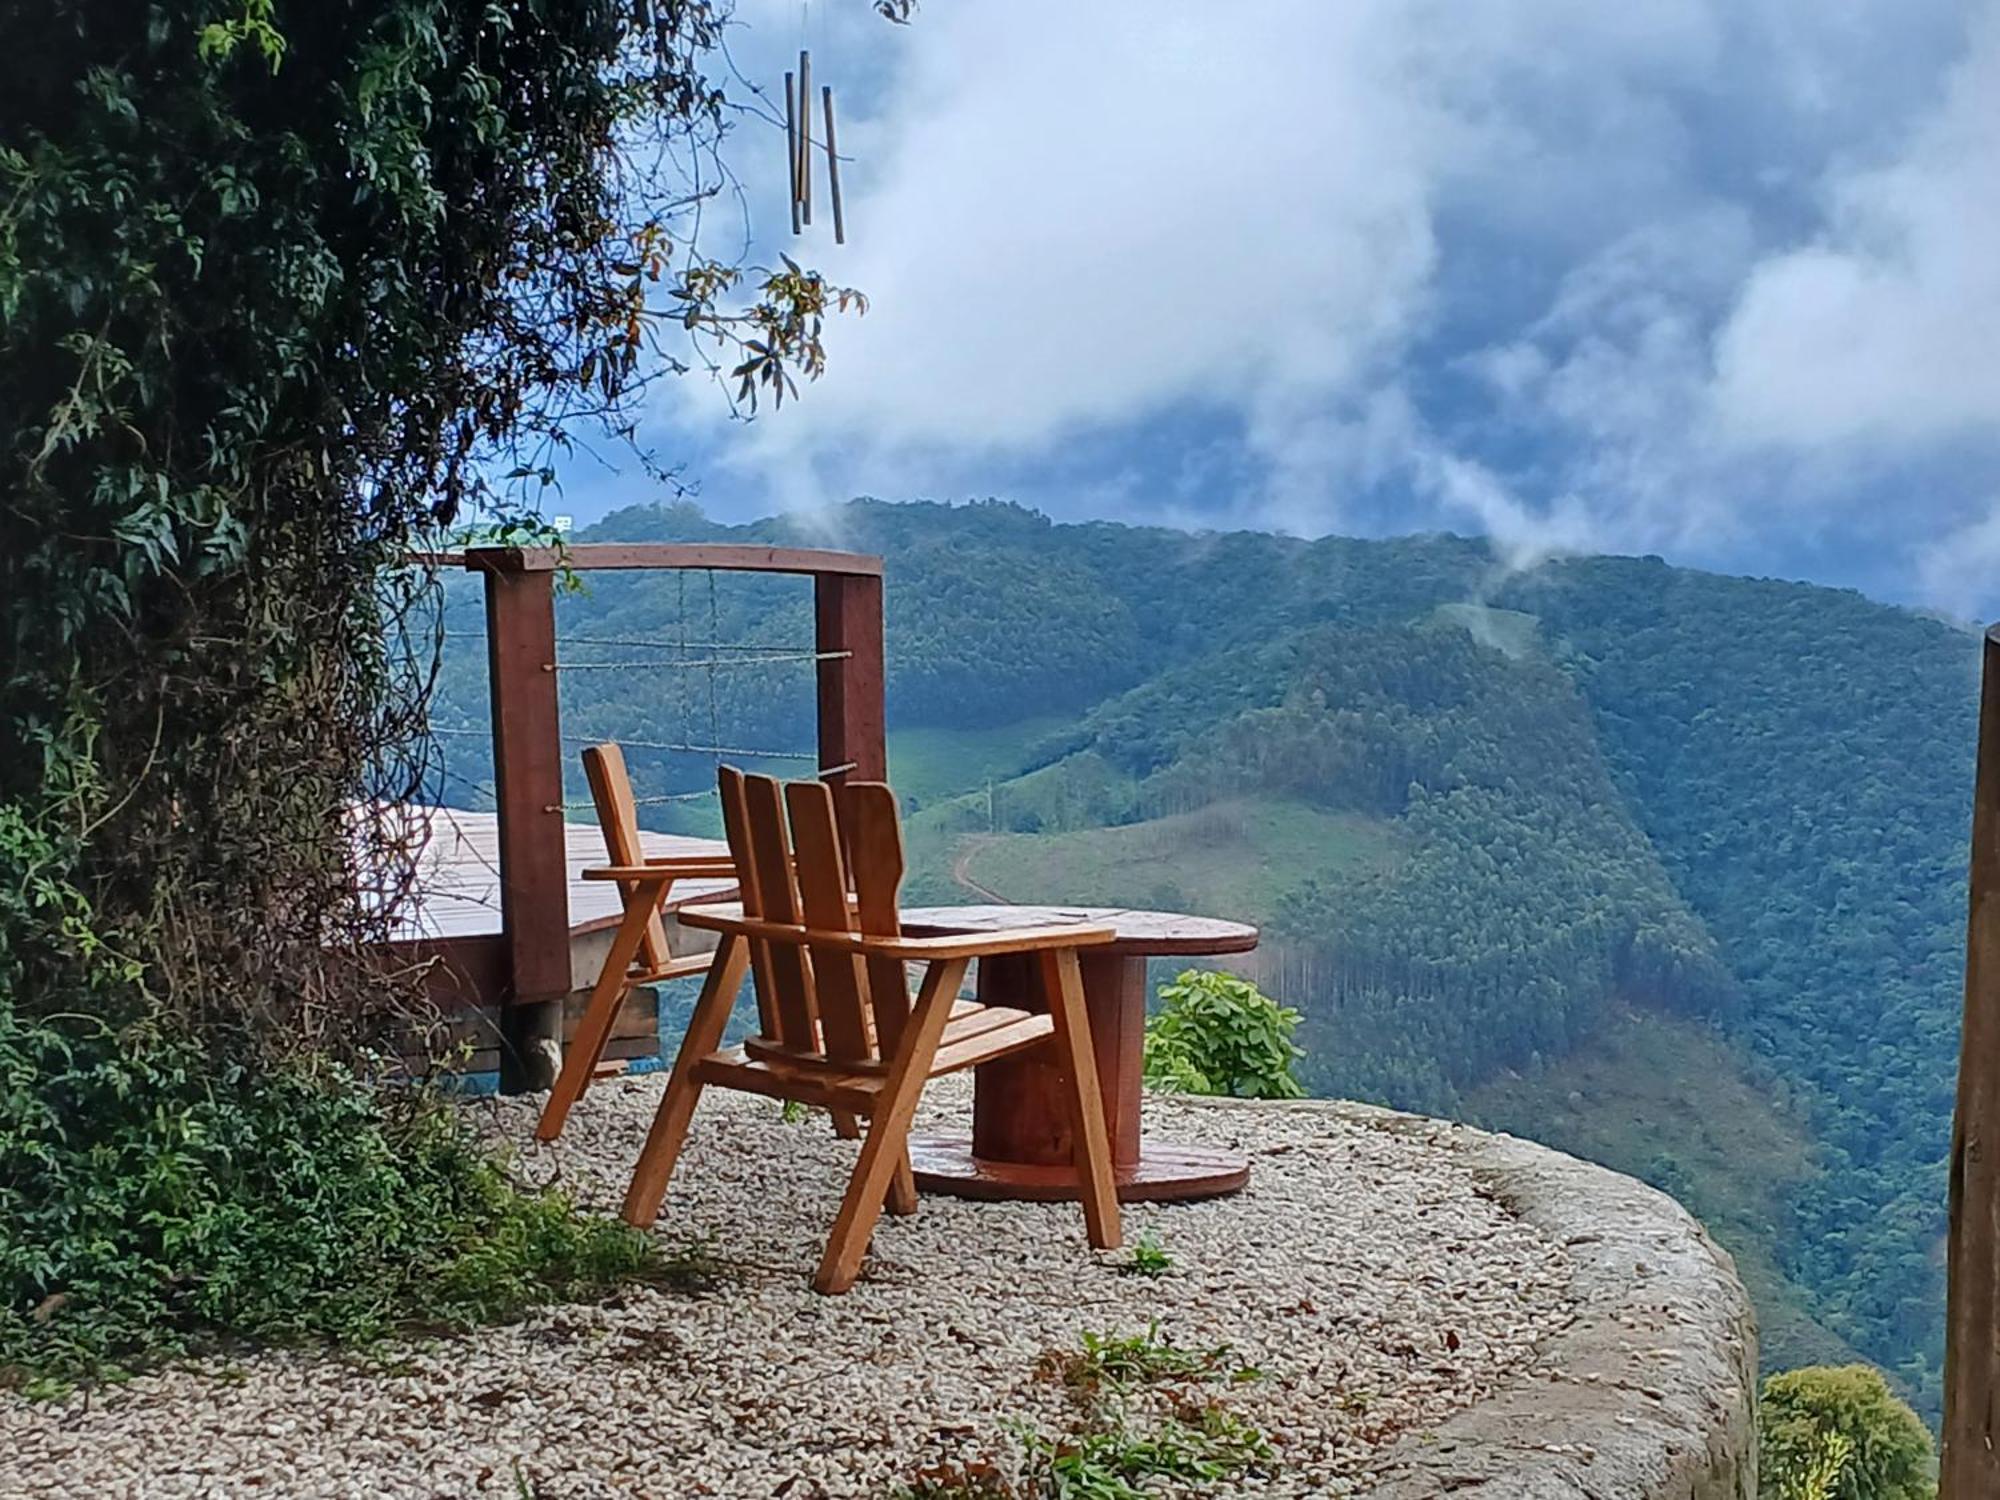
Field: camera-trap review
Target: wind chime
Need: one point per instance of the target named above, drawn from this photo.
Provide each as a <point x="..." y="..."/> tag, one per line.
<point x="799" y="142"/>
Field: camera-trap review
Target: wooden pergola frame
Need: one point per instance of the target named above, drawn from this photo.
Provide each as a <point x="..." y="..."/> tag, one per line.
<point x="527" y="969"/>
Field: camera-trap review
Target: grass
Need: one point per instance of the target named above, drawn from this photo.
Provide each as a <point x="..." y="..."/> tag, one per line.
<point x="1670" y="1102"/>
<point x="1507" y="631"/>
<point x="1200" y="1443"/>
<point x="161" y="1199"/>
<point x="928" y="765"/>
<point x="1115" y="1363"/>
<point x="1143" y="1411"/>
<point x="1231" y="859"/>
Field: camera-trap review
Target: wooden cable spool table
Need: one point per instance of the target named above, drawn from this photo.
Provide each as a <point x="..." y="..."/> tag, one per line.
<point x="1020" y="1142"/>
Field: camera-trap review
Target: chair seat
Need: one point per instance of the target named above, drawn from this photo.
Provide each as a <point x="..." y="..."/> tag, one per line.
<point x="974" y="1034"/>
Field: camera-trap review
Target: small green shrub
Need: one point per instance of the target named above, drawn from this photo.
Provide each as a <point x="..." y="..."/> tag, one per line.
<point x="155" y="1200"/>
<point x="1218" y="1034"/>
<point x="1839" y="1433"/>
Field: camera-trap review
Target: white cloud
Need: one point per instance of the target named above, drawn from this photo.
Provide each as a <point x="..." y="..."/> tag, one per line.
<point x="1885" y="328"/>
<point x="1080" y="216"/>
<point x="1957" y="570"/>
<point x="1702" y="276"/>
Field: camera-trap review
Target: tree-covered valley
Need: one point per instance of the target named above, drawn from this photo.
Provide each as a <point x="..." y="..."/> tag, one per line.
<point x="1658" y="866"/>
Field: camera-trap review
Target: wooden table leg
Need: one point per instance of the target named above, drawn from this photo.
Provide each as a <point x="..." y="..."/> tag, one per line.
<point x="1020" y="1144"/>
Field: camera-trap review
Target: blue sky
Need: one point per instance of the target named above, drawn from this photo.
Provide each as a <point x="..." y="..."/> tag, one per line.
<point x="1718" y="279"/>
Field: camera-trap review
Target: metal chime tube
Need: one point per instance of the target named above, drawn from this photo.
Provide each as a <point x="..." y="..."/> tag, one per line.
<point x="805" y="194"/>
<point x="833" y="171"/>
<point x="792" y="149"/>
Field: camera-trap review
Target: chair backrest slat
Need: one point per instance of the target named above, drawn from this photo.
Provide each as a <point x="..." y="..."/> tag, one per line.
<point x="618" y="817"/>
<point x="736" y="829"/>
<point x="791" y="969"/>
<point x="839" y="984"/>
<point x="874" y="836"/>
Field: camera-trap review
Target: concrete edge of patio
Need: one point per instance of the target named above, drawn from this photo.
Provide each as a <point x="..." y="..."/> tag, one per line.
<point x="1649" y="1395"/>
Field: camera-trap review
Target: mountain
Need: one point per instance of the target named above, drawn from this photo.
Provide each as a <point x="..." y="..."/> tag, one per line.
<point x="1659" y="866"/>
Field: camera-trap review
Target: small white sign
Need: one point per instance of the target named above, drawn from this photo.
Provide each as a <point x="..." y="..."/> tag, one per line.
<point x="564" y="523"/>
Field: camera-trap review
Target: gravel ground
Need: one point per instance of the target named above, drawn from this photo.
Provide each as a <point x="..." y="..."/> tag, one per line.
<point x="1363" y="1273"/>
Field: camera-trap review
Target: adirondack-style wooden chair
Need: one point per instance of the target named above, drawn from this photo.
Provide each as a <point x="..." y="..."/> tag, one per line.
<point x="837" y="1024"/>
<point x="639" y="951"/>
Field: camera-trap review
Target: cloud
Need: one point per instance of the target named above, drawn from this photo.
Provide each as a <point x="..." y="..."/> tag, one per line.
<point x="1885" y="327"/>
<point x="1711" y="277"/>
<point x="1957" y="570"/>
<point x="1081" y="216"/>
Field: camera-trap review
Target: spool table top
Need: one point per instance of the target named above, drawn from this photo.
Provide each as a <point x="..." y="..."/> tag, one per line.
<point x="1140" y="934"/>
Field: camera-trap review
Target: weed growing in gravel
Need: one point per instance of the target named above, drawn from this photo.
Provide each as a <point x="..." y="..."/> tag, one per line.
<point x="1121" y="1362"/>
<point x="1111" y="1458"/>
<point x="1149" y="1257"/>
<point x="1141" y="1416"/>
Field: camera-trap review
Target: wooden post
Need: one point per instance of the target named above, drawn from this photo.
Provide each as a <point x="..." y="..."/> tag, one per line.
<point x="848" y="616"/>
<point x="1969" y="1467"/>
<point x="528" y="787"/>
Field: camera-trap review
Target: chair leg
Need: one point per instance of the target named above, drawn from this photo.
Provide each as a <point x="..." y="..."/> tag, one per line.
<point x="607" y="997"/>
<point x="1062" y="981"/>
<point x="846" y="1126"/>
<point x="884" y="1151"/>
<point x="670" y="1125"/>
<point x="902" y="1200"/>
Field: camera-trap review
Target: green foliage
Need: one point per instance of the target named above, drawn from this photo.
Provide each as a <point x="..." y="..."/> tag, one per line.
<point x="1802" y="760"/>
<point x="1118" y="1363"/>
<point x="1218" y="1034"/>
<point x="1141" y="1414"/>
<point x="1202" y="1443"/>
<point x="154" y="1202"/>
<point x="1841" y="1434"/>
<point x="1673" y="1101"/>
<point x="1150" y="1258"/>
<point x="1808" y="1466"/>
<point x="287" y="291"/>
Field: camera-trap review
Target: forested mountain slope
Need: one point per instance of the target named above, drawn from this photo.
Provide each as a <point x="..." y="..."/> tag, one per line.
<point x="1553" y="836"/>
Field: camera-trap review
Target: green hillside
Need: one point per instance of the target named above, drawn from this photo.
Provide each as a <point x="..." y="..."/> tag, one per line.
<point x="1673" y="1103"/>
<point x="1238" y="856"/>
<point x="1686" y="848"/>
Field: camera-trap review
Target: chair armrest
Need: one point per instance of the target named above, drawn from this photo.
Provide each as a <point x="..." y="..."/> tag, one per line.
<point x="952" y="945"/>
<point x="693" y="864"/>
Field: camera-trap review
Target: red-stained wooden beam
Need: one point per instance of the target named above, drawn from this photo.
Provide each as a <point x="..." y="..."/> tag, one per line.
<point x="847" y="610"/>
<point x="528" y="790"/>
<point x="1969" y="1465"/>
<point x="728" y="557"/>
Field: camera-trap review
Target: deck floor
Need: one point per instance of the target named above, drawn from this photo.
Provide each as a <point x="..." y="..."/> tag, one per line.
<point x="458" y="890"/>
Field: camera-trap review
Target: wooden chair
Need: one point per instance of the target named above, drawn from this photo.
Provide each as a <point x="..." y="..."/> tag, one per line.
<point x="641" y="938"/>
<point x="838" y="1028"/>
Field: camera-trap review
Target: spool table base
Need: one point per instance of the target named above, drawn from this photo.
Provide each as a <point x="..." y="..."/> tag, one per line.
<point x="1165" y="1172"/>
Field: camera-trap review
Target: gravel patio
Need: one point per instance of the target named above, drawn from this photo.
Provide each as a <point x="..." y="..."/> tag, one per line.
<point x="1367" y="1274"/>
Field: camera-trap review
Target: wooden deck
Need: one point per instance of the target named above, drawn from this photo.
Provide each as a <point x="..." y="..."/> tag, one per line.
<point x="459" y="889"/>
<point x="452" y="926"/>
